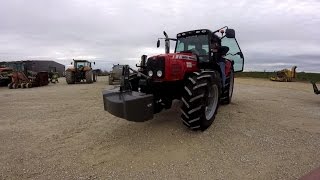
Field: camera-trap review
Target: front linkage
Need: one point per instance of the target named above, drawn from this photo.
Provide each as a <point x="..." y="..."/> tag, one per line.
<point x="125" y="103"/>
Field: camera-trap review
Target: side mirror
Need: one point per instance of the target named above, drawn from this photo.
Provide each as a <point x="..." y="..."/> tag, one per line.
<point x="158" y="43"/>
<point x="230" y="33"/>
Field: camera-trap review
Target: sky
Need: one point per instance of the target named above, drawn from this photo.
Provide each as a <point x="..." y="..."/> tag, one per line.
<point x="272" y="34"/>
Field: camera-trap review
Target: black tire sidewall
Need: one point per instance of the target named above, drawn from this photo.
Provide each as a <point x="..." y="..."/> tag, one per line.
<point x="192" y="118"/>
<point x="70" y="77"/>
<point x="230" y="95"/>
<point x="89" y="76"/>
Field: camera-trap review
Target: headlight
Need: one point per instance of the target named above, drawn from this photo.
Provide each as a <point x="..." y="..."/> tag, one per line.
<point x="159" y="73"/>
<point x="150" y="73"/>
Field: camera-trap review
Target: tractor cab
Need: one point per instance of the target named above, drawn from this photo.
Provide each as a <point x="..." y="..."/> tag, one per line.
<point x="80" y="72"/>
<point x="80" y="64"/>
<point x="209" y="46"/>
<point x="198" y="49"/>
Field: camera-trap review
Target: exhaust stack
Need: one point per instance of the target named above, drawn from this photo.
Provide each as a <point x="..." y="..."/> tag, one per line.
<point x="167" y="42"/>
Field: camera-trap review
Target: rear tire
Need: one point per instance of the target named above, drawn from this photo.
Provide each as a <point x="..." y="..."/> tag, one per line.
<point x="94" y="77"/>
<point x="228" y="91"/>
<point x="70" y="77"/>
<point x="110" y="80"/>
<point x="200" y="100"/>
<point x="89" y="77"/>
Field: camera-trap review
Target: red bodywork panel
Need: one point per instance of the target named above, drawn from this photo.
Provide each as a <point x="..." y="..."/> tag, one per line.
<point x="228" y="67"/>
<point x="178" y="64"/>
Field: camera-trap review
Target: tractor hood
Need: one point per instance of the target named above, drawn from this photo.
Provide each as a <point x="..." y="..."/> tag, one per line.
<point x="174" y="56"/>
<point x="171" y="66"/>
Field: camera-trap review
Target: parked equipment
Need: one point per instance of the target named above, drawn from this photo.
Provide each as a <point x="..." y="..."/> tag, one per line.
<point x="21" y="77"/>
<point x="315" y="88"/>
<point x="5" y="75"/>
<point x="191" y="74"/>
<point x="80" y="72"/>
<point x="115" y="74"/>
<point x="285" y="75"/>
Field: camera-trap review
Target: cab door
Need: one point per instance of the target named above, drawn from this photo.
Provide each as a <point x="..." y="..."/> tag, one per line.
<point x="234" y="53"/>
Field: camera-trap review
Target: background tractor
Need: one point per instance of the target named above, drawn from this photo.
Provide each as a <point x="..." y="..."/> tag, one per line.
<point x="191" y="74"/>
<point x="80" y="72"/>
<point x="285" y="75"/>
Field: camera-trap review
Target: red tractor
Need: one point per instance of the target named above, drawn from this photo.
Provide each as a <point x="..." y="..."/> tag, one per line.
<point x="200" y="73"/>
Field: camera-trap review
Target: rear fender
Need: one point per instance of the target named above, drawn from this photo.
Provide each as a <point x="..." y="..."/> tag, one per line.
<point x="86" y="68"/>
<point x="71" y="69"/>
<point x="228" y="68"/>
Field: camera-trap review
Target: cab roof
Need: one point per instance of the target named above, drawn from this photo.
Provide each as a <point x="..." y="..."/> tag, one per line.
<point x="194" y="32"/>
<point x="81" y="60"/>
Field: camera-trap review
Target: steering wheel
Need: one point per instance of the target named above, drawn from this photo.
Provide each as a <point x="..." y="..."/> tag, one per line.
<point x="195" y="51"/>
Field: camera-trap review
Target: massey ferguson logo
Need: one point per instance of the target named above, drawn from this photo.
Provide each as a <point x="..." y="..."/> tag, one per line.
<point x="181" y="56"/>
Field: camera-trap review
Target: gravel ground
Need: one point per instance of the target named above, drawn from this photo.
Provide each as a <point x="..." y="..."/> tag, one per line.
<point x="270" y="131"/>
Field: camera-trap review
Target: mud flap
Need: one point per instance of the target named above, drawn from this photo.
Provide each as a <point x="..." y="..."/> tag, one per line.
<point x="131" y="105"/>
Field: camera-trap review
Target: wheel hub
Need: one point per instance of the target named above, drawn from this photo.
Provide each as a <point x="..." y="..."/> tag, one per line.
<point x="212" y="101"/>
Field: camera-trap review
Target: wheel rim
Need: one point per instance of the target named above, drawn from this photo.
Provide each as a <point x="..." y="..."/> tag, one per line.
<point x="212" y="101"/>
<point x="231" y="84"/>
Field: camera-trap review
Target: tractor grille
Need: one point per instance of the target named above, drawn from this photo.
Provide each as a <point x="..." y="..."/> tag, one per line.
<point x="175" y="69"/>
<point x="155" y="64"/>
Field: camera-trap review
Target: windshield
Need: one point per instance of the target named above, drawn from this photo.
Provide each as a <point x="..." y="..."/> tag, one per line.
<point x="198" y="44"/>
<point x="82" y="64"/>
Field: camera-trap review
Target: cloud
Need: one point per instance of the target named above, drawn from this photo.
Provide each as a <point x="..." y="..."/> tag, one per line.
<point x="110" y="32"/>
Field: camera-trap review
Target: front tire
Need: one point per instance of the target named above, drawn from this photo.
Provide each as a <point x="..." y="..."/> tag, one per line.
<point x="200" y="99"/>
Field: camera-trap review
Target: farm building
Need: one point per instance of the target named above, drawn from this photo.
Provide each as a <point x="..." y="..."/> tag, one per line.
<point x="39" y="65"/>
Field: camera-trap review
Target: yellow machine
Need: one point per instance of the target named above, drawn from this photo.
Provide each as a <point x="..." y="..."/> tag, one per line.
<point x="285" y="75"/>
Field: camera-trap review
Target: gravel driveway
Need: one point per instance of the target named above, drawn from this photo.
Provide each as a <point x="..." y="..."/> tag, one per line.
<point x="270" y="131"/>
